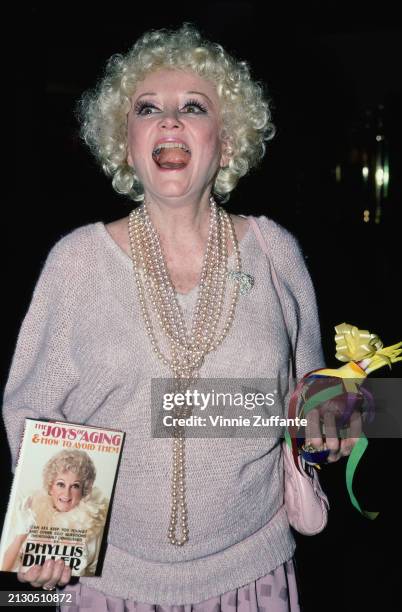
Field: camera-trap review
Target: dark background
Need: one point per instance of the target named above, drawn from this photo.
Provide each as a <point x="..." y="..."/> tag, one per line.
<point x="335" y="82"/>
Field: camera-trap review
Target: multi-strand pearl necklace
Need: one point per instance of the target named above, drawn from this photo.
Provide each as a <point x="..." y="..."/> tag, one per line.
<point x="187" y="350"/>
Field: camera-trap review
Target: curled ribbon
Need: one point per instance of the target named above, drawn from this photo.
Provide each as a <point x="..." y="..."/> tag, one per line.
<point x="386" y="356"/>
<point x="363" y="353"/>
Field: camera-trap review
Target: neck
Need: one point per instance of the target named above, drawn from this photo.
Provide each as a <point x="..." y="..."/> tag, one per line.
<point x="180" y="222"/>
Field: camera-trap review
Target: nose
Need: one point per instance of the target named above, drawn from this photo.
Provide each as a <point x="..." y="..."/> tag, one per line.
<point x="170" y="119"/>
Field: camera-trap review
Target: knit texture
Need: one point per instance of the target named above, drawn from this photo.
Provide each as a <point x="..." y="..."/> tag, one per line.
<point x="82" y="355"/>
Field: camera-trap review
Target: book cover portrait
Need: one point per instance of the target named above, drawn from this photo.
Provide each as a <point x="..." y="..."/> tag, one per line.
<point x="60" y="496"/>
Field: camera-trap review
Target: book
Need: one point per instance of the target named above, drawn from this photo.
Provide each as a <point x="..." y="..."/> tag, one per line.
<point x="60" y="496"/>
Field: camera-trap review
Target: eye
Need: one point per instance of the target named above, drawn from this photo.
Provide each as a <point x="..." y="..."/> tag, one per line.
<point x="60" y="484"/>
<point x="76" y="485"/>
<point x="193" y="106"/>
<point x="144" y="108"/>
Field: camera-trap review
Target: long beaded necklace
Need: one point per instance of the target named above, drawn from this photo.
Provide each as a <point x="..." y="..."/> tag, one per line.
<point x="188" y="350"/>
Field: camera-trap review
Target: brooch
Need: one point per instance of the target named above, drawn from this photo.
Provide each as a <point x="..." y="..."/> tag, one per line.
<point x="246" y="280"/>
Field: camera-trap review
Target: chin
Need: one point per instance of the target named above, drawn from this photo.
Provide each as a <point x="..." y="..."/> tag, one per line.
<point x="171" y="181"/>
<point x="174" y="190"/>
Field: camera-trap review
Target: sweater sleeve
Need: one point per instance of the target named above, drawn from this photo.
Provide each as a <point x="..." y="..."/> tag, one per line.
<point x="299" y="299"/>
<point x="42" y="373"/>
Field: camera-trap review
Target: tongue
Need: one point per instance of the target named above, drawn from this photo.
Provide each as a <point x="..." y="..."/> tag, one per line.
<point x="172" y="158"/>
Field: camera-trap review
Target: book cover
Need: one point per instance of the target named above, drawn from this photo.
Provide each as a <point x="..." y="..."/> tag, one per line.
<point x="60" y="496"/>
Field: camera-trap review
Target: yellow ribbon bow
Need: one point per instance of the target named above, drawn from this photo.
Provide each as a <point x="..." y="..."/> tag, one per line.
<point x="362" y="351"/>
<point x="354" y="344"/>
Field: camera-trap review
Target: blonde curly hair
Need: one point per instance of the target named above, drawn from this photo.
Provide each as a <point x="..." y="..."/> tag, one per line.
<point x="245" y="109"/>
<point x="77" y="461"/>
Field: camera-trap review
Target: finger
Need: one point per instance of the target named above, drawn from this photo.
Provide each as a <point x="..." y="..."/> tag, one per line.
<point x="353" y="434"/>
<point x="347" y="444"/>
<point x="45" y="574"/>
<point x="356" y="425"/>
<point x="57" y="572"/>
<point x="346" y="447"/>
<point x="313" y="429"/>
<point x="66" y="576"/>
<point x="331" y="433"/>
<point x="30" y="574"/>
<point x="334" y="456"/>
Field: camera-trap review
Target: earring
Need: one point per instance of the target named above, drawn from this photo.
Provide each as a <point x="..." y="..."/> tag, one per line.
<point x="228" y="153"/>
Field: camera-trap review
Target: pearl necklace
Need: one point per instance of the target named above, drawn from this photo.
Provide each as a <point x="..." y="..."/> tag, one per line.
<point x="187" y="350"/>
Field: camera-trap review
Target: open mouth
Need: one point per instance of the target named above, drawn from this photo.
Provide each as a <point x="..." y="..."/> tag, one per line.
<point x="171" y="155"/>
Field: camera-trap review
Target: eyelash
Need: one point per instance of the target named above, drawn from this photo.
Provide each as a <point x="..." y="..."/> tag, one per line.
<point x="139" y="107"/>
<point x="61" y="484"/>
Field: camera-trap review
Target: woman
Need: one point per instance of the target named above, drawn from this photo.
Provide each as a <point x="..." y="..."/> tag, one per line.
<point x="181" y="289"/>
<point x="68" y="501"/>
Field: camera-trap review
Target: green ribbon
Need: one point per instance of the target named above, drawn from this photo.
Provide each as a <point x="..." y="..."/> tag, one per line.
<point x="353" y="460"/>
<point x="288" y="439"/>
<point x="357" y="451"/>
<point x="322" y="396"/>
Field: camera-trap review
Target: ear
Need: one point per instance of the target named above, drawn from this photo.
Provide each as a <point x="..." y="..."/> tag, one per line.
<point x="226" y="152"/>
<point x="129" y="159"/>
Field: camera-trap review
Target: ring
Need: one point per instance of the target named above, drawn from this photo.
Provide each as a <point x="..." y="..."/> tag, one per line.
<point x="313" y="455"/>
<point x="48" y="588"/>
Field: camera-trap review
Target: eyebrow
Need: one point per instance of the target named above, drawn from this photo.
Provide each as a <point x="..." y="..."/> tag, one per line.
<point x="152" y="93"/>
<point x="62" y="479"/>
<point x="200" y="94"/>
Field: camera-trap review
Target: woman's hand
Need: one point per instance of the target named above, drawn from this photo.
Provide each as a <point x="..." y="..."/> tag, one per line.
<point x="328" y="415"/>
<point x="49" y="574"/>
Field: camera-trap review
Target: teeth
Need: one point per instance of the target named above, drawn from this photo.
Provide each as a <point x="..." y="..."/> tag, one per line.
<point x="170" y="145"/>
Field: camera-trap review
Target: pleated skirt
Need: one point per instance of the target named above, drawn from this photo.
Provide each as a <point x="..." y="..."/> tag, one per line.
<point x="275" y="592"/>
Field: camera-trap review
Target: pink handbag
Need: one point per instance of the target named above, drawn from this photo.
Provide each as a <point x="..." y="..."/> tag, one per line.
<point x="305" y="501"/>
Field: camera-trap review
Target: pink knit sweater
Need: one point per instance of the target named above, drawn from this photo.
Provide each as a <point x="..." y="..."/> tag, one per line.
<point x="83" y="356"/>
